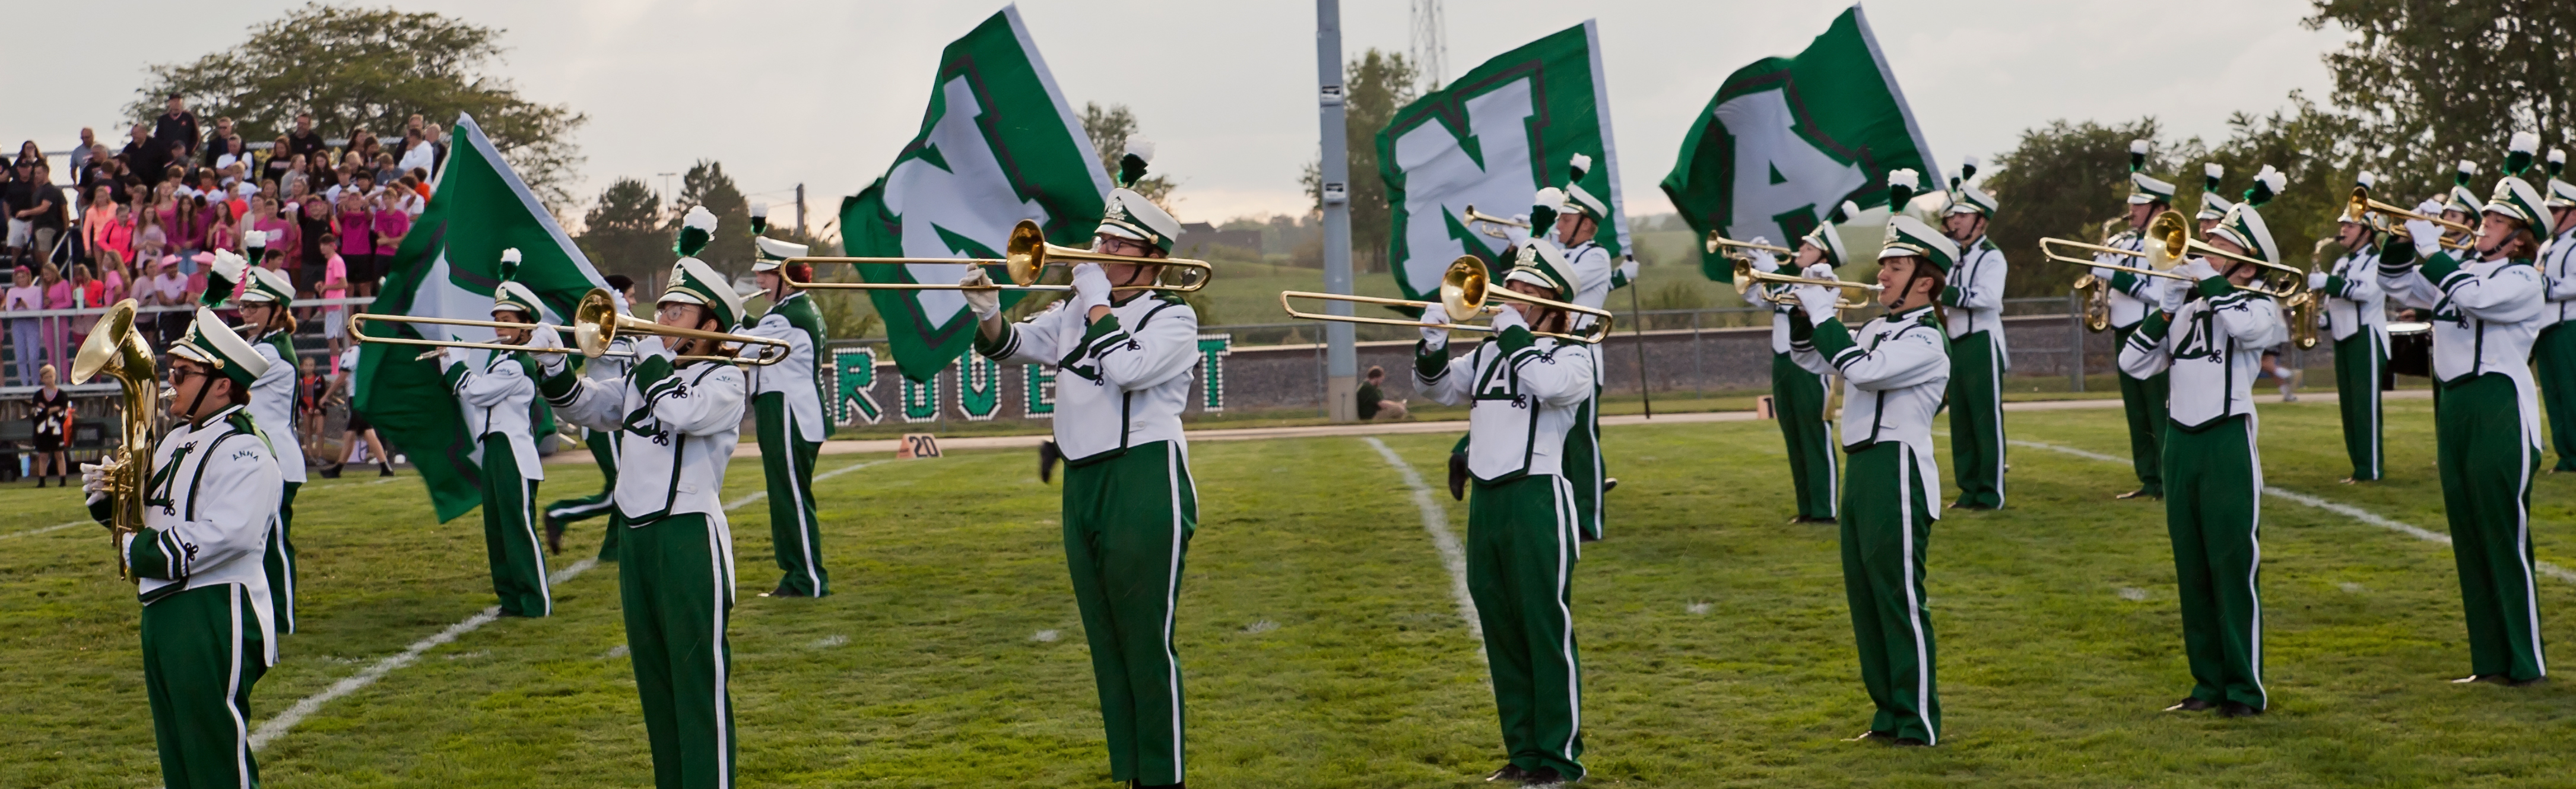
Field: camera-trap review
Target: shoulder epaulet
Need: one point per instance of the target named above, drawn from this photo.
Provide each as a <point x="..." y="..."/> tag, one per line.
<point x="1988" y="244"/>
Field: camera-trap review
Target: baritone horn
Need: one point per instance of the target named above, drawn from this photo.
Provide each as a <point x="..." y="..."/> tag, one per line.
<point x="1493" y="225"/>
<point x="116" y="349"/>
<point x="1464" y="293"/>
<point x="1026" y="256"/>
<point x="595" y="324"/>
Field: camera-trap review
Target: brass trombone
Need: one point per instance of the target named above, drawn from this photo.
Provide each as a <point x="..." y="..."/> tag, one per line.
<point x="1746" y="277"/>
<point x="1027" y="256"/>
<point x="2362" y="206"/>
<point x="1464" y="291"/>
<point x="1475" y="217"/>
<point x="596" y="323"/>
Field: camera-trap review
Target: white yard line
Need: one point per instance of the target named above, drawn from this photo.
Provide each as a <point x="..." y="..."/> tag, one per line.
<point x="1435" y="519"/>
<point x="47" y="530"/>
<point x="2346" y="510"/>
<point x="278" y="726"/>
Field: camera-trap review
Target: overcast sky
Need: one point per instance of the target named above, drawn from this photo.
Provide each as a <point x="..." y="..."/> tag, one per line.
<point x="825" y="93"/>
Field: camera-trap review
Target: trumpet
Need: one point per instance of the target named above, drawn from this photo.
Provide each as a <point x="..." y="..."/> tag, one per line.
<point x="1464" y="290"/>
<point x="1745" y="277"/>
<point x="1494" y="224"/>
<point x="1717" y="242"/>
<point x="595" y="324"/>
<point x="2362" y="206"/>
<point x="1026" y="256"/>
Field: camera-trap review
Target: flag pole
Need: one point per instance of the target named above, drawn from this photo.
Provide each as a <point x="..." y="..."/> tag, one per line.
<point x="1637" y="331"/>
<point x="1341" y="360"/>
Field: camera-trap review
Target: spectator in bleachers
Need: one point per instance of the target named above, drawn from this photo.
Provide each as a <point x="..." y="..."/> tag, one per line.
<point x="176" y="126"/>
<point x="145" y="158"/>
<point x="314" y="222"/>
<point x="417" y="152"/>
<point x="29" y="153"/>
<point x="58" y="296"/>
<point x="335" y="285"/>
<point x="51" y="410"/>
<point x="357" y="237"/>
<point x="214" y="145"/>
<point x="81" y="152"/>
<point x="391" y="222"/>
<point x="27" y="203"/>
<point x="98" y="217"/>
<point x="223" y="231"/>
<point x="88" y="293"/>
<point x="187" y="228"/>
<point x="53" y="213"/>
<point x="304" y="141"/>
<point x="26" y="335"/>
<point x="167" y="288"/>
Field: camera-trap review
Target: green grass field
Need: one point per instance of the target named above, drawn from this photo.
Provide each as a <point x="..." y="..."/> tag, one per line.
<point x="1323" y="648"/>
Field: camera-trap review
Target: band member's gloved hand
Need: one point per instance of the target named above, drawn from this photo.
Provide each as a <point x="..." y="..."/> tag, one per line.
<point x="552" y="364"/>
<point x="1434" y="337"/>
<point x="647" y="345"/>
<point x="2169" y="295"/>
<point x="2317" y="280"/>
<point x="2396" y="256"/>
<point x="1818" y="301"/>
<point x="1762" y="259"/>
<point x="1628" y="269"/>
<point x="987" y="304"/>
<point x="1511" y="331"/>
<point x="1513" y="237"/>
<point x="451" y="357"/>
<point x="1090" y="287"/>
<point x="2427" y="237"/>
<point x="94" y="489"/>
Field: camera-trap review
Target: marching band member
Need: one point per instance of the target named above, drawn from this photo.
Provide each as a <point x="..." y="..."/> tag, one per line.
<point x="1524" y="534"/>
<point x="1595" y="275"/>
<point x="2555" y="350"/>
<point x="2487" y="425"/>
<point x="209" y="632"/>
<point x="1798" y="397"/>
<point x="607" y="369"/>
<point x="1974" y="317"/>
<point x="2462" y="205"/>
<point x="1130" y="505"/>
<point x="2213" y="206"/>
<point x="2132" y="297"/>
<point x="675" y="574"/>
<point x="496" y="393"/>
<point x="1895" y="371"/>
<point x="787" y="403"/>
<point x="2210" y="338"/>
<point x="2357" y="317"/>
<point x="264" y="299"/>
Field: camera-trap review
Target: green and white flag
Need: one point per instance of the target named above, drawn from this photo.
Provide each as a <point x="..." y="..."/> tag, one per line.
<point x="1787" y="139"/>
<point x="447" y="267"/>
<point x="1492" y="139"/>
<point x="998" y="145"/>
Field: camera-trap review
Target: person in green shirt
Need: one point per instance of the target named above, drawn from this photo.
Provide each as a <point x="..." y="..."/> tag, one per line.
<point x="1373" y="400"/>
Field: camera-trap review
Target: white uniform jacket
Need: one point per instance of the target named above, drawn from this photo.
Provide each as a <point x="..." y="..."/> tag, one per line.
<point x="2485" y="317"/>
<point x="494" y="391"/>
<point x="681" y="424"/>
<point x="2213" y="348"/>
<point x="796" y="377"/>
<point x="1896" y="371"/>
<point x="1975" y="298"/>
<point x="2132" y="296"/>
<point x="1520" y="403"/>
<point x="207" y="512"/>
<point x="2354" y="300"/>
<point x="272" y="405"/>
<point x="610" y="370"/>
<point x="2558" y="267"/>
<point x="1120" y="382"/>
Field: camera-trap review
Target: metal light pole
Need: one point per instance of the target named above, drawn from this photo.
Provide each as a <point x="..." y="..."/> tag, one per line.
<point x="1341" y="361"/>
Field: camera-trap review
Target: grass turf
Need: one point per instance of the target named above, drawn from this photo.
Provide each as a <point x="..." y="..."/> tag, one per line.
<point x="1322" y="646"/>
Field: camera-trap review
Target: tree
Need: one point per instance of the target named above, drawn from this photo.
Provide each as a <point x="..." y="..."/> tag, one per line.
<point x="366" y="68"/>
<point x="705" y="184"/>
<point x="2425" y="84"/>
<point x="2063" y="180"/>
<point x="1109" y="128"/>
<point x="1375" y="85"/>
<point x="624" y="232"/>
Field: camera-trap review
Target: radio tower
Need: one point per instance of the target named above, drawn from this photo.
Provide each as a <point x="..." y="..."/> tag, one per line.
<point x="1430" y="44"/>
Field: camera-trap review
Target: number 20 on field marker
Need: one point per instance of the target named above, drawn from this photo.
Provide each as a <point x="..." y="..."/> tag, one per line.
<point x="916" y="446"/>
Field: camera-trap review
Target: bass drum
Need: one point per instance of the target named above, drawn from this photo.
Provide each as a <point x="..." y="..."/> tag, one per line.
<point x="2410" y="349"/>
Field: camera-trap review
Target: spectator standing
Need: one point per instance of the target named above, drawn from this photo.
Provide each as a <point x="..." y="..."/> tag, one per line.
<point x="51" y="410"/>
<point x="357" y="240"/>
<point x="222" y="230"/>
<point x="53" y="214"/>
<point x="146" y="158"/>
<point x="58" y="296"/>
<point x="97" y="218"/>
<point x="29" y="153"/>
<point x="313" y="223"/>
<point x="294" y="182"/>
<point x="26" y="335"/>
<point x="167" y="288"/>
<point x="176" y="126"/>
<point x="391" y="222"/>
<point x="88" y="293"/>
<point x="335" y="285"/>
<point x="304" y="141"/>
<point x="417" y="152"/>
<point x="187" y="230"/>
<point x="150" y="241"/>
<point x="81" y="152"/>
<point x="214" y="146"/>
<point x="24" y="202"/>
<point x="385" y="170"/>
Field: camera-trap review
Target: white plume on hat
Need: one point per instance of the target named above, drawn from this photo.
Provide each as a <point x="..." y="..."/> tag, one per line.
<point x="2468" y="167"/>
<point x="2524" y="142"/>
<point x="2273" y="179"/>
<point x="1140" y="147"/>
<point x="2138" y="147"/>
<point x="2214" y="170"/>
<point x="1579" y="165"/>
<point x="2367" y="180"/>
<point x="700" y="218"/>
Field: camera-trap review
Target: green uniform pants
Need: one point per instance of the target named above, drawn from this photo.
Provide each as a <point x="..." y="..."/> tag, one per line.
<point x="1977" y="420"/>
<point x="2486" y="468"/>
<point x="1798" y="401"/>
<point x="201" y="655"/>
<point x="794" y="534"/>
<point x="2143" y="400"/>
<point x="1886" y="529"/>
<point x="2357" y="362"/>
<point x="604" y="452"/>
<point x="2556" y="353"/>
<point x="1584" y="472"/>
<point x="1127" y="526"/>
<point x="278" y="560"/>
<point x="2213" y="511"/>
<point x="675" y="581"/>
<point x="1522" y="543"/>
<point x="510" y="540"/>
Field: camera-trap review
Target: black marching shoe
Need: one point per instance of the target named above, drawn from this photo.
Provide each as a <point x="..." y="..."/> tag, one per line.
<point x="1910" y="742"/>
<point x="1510" y="772"/>
<point x="1544" y="776"/>
<point x="1458" y="476"/>
<point x="332" y="471"/>
<point x="1609" y="484"/>
<point x="2140" y="493"/>
<point x="783" y="591"/>
<point x="2190" y="704"/>
<point x="1048" y="455"/>
<point x="384" y="469"/>
<point x="554" y="536"/>
<point x="2491" y="679"/>
<point x="2525" y="683"/>
<point x="2238" y="709"/>
<point x="1873" y="735"/>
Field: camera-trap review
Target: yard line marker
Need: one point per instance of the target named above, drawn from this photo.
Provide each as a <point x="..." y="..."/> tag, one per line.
<point x="1435" y="520"/>
<point x="278" y="726"/>
<point x="2346" y="510"/>
<point x="46" y="530"/>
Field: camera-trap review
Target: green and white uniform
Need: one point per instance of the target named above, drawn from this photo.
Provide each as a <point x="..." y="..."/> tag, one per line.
<point x="1973" y="315"/>
<point x="2357" y="317"/>
<point x="1895" y="371"/>
<point x="1129" y="504"/>
<point x="787" y="404"/>
<point x="1524" y="533"/>
<point x="1596" y="273"/>
<point x="2487" y="429"/>
<point x="272" y="409"/>
<point x="603" y="445"/>
<point x="1798" y="401"/>
<point x="2554" y="349"/>
<point x="2142" y="400"/>
<point x="2213" y="348"/>
<point x="497" y="391"/>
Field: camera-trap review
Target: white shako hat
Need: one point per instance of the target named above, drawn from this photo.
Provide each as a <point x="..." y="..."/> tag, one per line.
<point x="1127" y="214"/>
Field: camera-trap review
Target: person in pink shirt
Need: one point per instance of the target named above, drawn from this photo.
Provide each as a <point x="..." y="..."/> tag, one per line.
<point x="24" y="334"/>
<point x="335" y="285"/>
<point x="87" y="293"/>
<point x="96" y="218"/>
<point x="58" y="296"/>
<point x="392" y="221"/>
<point x="116" y="239"/>
<point x="223" y="229"/>
<point x="357" y="237"/>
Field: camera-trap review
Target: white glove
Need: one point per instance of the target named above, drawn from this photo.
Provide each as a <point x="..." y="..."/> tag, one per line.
<point x="544" y="336"/>
<point x="1818" y="301"/>
<point x="1090" y="287"/>
<point x="2316" y="280"/>
<point x="1818" y="271"/>
<point x="2427" y="238"/>
<point x="1516" y="235"/>
<point x="648" y="345"/>
<point x="94" y="482"/>
<point x="2430" y="208"/>
<point x="451" y="356"/>
<point x="1628" y="269"/>
<point x="1434" y="336"/>
<point x="1506" y="318"/>
<point x="1763" y="260"/>
<point x="2170" y="294"/>
<point x="987" y="304"/>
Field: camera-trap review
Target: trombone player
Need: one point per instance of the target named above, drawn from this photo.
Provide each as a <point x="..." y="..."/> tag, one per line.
<point x="1578" y="219"/>
<point x="787" y="405"/>
<point x="1130" y="506"/>
<point x="2142" y="398"/>
<point x="1798" y="396"/>
<point x="2357" y="319"/>
<point x="497" y="393"/>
